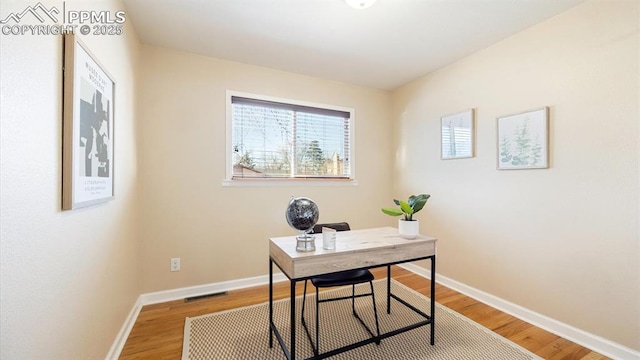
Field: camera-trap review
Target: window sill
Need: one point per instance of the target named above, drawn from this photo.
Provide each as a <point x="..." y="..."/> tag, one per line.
<point x="288" y="183"/>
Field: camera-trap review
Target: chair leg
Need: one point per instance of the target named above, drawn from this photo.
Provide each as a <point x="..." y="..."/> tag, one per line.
<point x="353" y="298"/>
<point x="304" y="297"/>
<point x="317" y="320"/>
<point x="375" y="313"/>
<point x="353" y="308"/>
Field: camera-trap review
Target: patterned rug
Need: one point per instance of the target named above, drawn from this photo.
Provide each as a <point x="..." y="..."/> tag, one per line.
<point x="243" y="333"/>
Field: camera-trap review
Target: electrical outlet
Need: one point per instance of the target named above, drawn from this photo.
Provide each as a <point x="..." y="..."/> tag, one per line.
<point x="175" y="264"/>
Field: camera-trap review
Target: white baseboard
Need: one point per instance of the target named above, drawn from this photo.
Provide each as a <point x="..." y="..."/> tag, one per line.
<point x="177" y="294"/>
<point x="125" y="330"/>
<point x="198" y="290"/>
<point x="583" y="338"/>
<point x="588" y="340"/>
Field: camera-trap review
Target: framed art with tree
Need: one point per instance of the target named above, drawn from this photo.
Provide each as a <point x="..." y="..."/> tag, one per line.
<point x="523" y="140"/>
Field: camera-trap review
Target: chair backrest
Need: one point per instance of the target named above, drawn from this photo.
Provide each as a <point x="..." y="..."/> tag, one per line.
<point x="341" y="226"/>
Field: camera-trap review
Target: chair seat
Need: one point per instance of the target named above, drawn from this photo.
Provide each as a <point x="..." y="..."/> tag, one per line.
<point x="342" y="278"/>
<point x="350" y="277"/>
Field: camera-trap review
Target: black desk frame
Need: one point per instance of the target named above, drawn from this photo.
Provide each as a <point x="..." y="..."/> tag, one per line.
<point x="290" y="354"/>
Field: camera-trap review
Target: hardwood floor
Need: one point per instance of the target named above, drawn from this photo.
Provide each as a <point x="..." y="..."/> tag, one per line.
<point x="158" y="331"/>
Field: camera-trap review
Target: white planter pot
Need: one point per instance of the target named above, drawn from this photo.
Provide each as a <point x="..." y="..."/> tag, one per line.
<point x="408" y="229"/>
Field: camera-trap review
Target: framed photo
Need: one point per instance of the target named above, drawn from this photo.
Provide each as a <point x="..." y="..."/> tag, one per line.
<point x="523" y="140"/>
<point x="87" y="153"/>
<point x="457" y="135"/>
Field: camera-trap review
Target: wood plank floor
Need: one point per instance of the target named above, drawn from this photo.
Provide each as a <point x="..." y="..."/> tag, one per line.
<point x="158" y="331"/>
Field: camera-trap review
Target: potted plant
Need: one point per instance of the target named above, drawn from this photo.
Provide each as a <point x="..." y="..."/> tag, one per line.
<point x="408" y="227"/>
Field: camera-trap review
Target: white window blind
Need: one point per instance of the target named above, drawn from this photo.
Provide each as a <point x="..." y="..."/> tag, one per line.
<point x="280" y="140"/>
<point x="456" y="140"/>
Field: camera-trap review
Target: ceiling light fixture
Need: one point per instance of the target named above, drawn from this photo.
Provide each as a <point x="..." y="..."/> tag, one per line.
<point x="360" y="4"/>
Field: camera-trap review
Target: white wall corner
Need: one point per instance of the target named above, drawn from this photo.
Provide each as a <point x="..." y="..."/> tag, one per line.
<point x="177" y="294"/>
<point x="125" y="330"/>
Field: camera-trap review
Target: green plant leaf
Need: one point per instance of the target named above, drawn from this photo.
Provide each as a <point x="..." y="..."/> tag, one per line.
<point x="419" y="205"/>
<point x="406" y="208"/>
<point x="414" y="204"/>
<point x="412" y="200"/>
<point x="392" y="211"/>
<point x="421" y="200"/>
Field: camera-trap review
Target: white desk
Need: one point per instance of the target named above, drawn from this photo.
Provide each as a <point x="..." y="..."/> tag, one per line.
<point x="356" y="249"/>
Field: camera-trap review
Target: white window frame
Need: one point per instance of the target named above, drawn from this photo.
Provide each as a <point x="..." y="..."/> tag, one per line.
<point x="261" y="182"/>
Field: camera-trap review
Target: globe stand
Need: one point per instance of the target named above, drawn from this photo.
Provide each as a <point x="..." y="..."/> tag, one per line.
<point x="302" y="214"/>
<point x="305" y="243"/>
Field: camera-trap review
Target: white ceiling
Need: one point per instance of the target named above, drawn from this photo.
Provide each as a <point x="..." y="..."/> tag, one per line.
<point x="385" y="46"/>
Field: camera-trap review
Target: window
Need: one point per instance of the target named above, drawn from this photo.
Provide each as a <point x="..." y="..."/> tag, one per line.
<point x="274" y="139"/>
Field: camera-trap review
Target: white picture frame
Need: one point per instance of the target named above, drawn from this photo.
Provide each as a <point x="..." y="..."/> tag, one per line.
<point x="523" y="140"/>
<point x="88" y="129"/>
<point x="457" y="135"/>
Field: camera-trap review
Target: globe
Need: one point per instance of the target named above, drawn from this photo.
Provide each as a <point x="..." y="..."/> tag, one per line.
<point x="302" y="214"/>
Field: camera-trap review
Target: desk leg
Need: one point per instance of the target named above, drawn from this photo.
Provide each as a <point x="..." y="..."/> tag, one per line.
<point x="293" y="319"/>
<point x="270" y="302"/>
<point x="388" y="289"/>
<point x="433" y="298"/>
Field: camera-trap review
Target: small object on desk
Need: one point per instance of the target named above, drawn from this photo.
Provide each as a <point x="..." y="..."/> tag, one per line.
<point x="302" y="214"/>
<point x="328" y="238"/>
<point x="306" y="243"/>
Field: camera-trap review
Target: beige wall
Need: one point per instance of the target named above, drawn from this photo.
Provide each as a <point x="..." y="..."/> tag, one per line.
<point x="563" y="242"/>
<point x="69" y="278"/>
<point x="221" y="233"/>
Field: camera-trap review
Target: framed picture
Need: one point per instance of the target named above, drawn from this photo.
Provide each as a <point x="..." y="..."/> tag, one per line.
<point x="87" y="153"/>
<point x="457" y="135"/>
<point x="523" y="140"/>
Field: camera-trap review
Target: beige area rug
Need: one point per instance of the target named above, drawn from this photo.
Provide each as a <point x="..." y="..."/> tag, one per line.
<point x="244" y="333"/>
